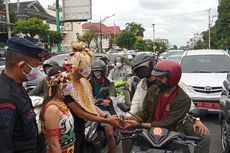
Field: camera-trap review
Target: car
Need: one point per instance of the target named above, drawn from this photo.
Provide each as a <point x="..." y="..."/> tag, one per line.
<point x="224" y="115"/>
<point x="203" y="72"/>
<point x="165" y="55"/>
<point x="59" y="58"/>
<point x="176" y="58"/>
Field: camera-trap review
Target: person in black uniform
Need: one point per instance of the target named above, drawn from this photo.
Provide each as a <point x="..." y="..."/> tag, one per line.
<point x="19" y="131"/>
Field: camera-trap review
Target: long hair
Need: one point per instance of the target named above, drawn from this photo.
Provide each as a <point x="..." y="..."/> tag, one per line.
<point x="52" y="89"/>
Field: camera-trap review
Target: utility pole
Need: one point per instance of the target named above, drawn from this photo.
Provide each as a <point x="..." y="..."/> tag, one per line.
<point x="154" y="45"/>
<point x="8" y="19"/>
<point x="58" y="22"/>
<point x="101" y="29"/>
<point x="209" y="26"/>
<point x="18" y="7"/>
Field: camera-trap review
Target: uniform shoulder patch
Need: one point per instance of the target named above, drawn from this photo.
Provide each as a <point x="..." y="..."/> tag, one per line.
<point x="7" y="112"/>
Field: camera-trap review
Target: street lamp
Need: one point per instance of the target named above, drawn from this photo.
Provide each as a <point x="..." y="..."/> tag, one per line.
<point x="102" y="20"/>
<point x="154" y="47"/>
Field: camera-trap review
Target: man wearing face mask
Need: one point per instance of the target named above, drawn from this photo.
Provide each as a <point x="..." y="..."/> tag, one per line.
<point x="120" y="72"/>
<point x="42" y="86"/>
<point x="98" y="81"/>
<point x="166" y="104"/>
<point x="18" y="132"/>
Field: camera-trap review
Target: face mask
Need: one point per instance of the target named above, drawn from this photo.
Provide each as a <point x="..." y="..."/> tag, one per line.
<point x="86" y="72"/>
<point x="97" y="74"/>
<point x="160" y="85"/>
<point x="34" y="73"/>
<point x="143" y="72"/>
<point x="119" y="65"/>
<point x="68" y="89"/>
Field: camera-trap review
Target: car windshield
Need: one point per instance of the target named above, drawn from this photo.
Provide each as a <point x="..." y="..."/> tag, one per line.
<point x="205" y="64"/>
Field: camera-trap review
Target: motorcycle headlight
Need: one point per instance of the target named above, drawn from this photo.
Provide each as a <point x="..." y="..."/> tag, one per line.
<point x="186" y="88"/>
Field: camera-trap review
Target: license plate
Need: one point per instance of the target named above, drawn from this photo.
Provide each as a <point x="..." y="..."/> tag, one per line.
<point x="208" y="105"/>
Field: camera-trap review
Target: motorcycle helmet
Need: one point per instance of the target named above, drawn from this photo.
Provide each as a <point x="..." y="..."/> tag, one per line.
<point x="49" y="63"/>
<point x="98" y="65"/>
<point x="142" y="65"/>
<point x="168" y="68"/>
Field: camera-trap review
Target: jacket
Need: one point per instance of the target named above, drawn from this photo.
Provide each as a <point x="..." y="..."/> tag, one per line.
<point x="139" y="96"/>
<point x="18" y="126"/>
<point x="179" y="107"/>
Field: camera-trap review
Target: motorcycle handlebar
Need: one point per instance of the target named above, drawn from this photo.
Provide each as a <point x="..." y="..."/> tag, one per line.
<point x="136" y="131"/>
<point x="185" y="137"/>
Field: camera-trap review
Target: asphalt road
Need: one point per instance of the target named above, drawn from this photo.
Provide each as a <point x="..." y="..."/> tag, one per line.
<point x="211" y="121"/>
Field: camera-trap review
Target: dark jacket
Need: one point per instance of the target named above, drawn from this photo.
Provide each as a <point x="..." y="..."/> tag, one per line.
<point x="18" y="126"/>
<point x="40" y="89"/>
<point x="179" y="107"/>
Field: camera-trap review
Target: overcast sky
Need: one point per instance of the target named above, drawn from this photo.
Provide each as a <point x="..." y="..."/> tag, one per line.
<point x="176" y="20"/>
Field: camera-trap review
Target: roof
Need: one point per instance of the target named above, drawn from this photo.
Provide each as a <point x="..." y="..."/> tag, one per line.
<point x="204" y="52"/>
<point x="104" y="29"/>
<point x="32" y="9"/>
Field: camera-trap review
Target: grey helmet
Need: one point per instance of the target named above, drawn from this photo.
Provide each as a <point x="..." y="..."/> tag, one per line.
<point x="142" y="65"/>
<point x="49" y="63"/>
<point x="98" y="65"/>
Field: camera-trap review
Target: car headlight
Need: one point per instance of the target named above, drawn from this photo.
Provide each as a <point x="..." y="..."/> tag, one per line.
<point x="186" y="88"/>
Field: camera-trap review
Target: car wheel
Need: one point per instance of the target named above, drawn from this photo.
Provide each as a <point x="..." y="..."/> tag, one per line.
<point x="224" y="138"/>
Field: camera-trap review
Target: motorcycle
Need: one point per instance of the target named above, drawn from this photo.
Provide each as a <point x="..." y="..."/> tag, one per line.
<point x="157" y="140"/>
<point x="95" y="135"/>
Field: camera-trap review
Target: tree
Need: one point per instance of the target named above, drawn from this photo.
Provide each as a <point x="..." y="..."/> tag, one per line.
<point x="126" y="40"/>
<point x="54" y="36"/>
<point x="135" y="28"/>
<point x="149" y="45"/>
<point x="214" y="41"/>
<point x="161" y="47"/>
<point x="223" y="23"/>
<point x="140" y="45"/>
<point x="198" y="45"/>
<point x="87" y="37"/>
<point x="31" y="27"/>
<point x="174" y="47"/>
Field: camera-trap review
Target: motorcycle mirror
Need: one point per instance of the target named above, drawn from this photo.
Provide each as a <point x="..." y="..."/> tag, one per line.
<point x="123" y="107"/>
<point x="198" y="112"/>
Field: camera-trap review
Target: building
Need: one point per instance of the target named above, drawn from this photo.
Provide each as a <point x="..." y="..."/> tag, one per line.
<point x="35" y="9"/>
<point x="70" y="30"/>
<point x="101" y="29"/>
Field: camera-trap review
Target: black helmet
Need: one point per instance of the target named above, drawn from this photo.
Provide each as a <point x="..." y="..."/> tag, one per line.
<point x="98" y="65"/>
<point x="49" y="63"/>
<point x="142" y="65"/>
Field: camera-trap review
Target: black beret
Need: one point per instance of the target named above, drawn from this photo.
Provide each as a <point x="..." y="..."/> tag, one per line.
<point x="26" y="47"/>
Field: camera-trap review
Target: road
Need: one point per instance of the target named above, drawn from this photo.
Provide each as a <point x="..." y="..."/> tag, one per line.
<point x="211" y="121"/>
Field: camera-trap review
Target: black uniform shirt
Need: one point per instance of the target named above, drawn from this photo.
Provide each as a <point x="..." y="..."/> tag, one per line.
<point x="18" y="129"/>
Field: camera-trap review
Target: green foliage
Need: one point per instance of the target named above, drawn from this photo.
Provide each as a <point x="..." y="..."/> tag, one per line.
<point x="199" y="45"/>
<point x="174" y="47"/>
<point x="126" y="40"/>
<point x="161" y="47"/>
<point x="87" y="37"/>
<point x="140" y="45"/>
<point x="135" y="28"/>
<point x="149" y="45"/>
<point x="31" y="27"/>
<point x="223" y="22"/>
<point x="54" y="36"/>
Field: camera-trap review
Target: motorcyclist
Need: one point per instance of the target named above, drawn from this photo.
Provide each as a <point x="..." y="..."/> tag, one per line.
<point x="99" y="81"/>
<point x="42" y="86"/>
<point x="164" y="72"/>
<point x="120" y="71"/>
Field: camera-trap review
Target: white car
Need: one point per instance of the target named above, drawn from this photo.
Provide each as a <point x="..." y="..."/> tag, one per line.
<point x="203" y="72"/>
